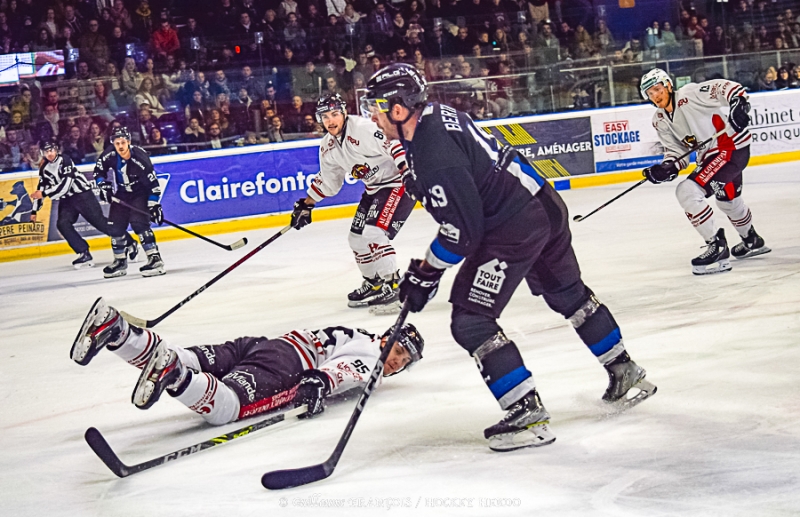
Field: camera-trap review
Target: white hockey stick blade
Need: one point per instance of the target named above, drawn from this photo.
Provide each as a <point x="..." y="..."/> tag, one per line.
<point x="133" y="320"/>
<point x="241" y="243"/>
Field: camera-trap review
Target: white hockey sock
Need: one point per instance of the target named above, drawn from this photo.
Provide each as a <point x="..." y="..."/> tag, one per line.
<point x="692" y="199"/>
<point x="138" y="348"/>
<point x="374" y="253"/>
<point x="739" y="215"/>
<point x="210" y="398"/>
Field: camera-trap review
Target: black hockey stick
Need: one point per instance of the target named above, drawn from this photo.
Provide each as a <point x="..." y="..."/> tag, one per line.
<point x="702" y="144"/>
<point x="103" y="450"/>
<point x="279" y="479"/>
<point x="142" y="323"/>
<point x="230" y="247"/>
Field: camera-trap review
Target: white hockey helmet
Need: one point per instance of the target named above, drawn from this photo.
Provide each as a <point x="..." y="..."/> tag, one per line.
<point x="651" y="78"/>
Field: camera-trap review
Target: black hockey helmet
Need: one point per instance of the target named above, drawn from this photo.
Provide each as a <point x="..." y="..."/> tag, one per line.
<point x="120" y="132"/>
<point x="398" y="83"/>
<point x="330" y="102"/>
<point x="48" y="144"/>
<point x="410" y="339"/>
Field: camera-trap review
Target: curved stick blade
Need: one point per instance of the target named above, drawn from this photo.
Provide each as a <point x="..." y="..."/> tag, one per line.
<point x="133" y="320"/>
<point x="290" y="478"/>
<point x="100" y="447"/>
<point x="238" y="244"/>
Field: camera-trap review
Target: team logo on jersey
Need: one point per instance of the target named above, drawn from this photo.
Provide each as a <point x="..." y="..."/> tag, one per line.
<point x="352" y="140"/>
<point x="246" y="380"/>
<point x="689" y="141"/>
<point x="450" y="232"/>
<point x="490" y="276"/>
<point x="682" y="102"/>
<point x="363" y="171"/>
<point x="209" y="353"/>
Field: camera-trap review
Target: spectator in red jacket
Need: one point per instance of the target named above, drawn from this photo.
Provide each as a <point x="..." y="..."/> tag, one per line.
<point x="165" y="40"/>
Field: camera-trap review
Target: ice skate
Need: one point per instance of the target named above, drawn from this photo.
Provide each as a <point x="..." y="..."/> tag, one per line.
<point x="84" y="260"/>
<point x="627" y="385"/>
<point x="751" y="246"/>
<point x="388" y="301"/>
<point x="103" y="326"/>
<point x="163" y="371"/>
<point x="132" y="251"/>
<point x="117" y="268"/>
<point x="154" y="266"/>
<point x="525" y="425"/>
<point x="715" y="259"/>
<point x="371" y="288"/>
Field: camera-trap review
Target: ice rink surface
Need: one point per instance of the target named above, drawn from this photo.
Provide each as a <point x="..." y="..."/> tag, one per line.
<point x="720" y="438"/>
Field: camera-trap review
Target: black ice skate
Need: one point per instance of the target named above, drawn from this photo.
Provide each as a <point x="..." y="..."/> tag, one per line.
<point x="627" y="386"/>
<point x="751" y="246"/>
<point x="117" y="268"/>
<point x="154" y="266"/>
<point x="370" y="289"/>
<point x="388" y="301"/>
<point x="715" y="258"/>
<point x="102" y="327"/>
<point x="132" y="250"/>
<point x="525" y="425"/>
<point x="163" y="371"/>
<point x="84" y="260"/>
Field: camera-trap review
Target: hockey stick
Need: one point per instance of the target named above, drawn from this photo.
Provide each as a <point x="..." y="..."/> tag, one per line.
<point x="289" y="478"/>
<point x="235" y="246"/>
<point x="103" y="450"/>
<point x="580" y="218"/>
<point x="139" y="322"/>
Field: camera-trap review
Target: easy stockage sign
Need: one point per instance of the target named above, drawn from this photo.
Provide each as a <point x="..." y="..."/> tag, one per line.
<point x="555" y="148"/>
<point x="625" y="139"/>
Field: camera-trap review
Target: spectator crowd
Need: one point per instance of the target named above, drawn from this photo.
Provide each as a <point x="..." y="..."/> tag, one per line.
<point x="208" y="74"/>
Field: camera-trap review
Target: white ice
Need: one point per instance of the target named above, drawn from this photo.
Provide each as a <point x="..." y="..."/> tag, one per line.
<point x="721" y="436"/>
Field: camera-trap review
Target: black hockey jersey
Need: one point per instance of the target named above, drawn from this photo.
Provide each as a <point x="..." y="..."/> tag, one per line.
<point x="452" y="164"/>
<point x="135" y="176"/>
<point x="59" y="179"/>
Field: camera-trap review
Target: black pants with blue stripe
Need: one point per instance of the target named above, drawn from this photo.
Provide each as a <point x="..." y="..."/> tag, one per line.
<point x="534" y="245"/>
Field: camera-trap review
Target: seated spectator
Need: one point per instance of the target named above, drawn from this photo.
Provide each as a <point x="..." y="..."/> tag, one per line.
<point x="96" y="140"/>
<point x="82" y="120"/>
<point x="307" y="82"/>
<point x="219" y="84"/>
<point x="255" y="88"/>
<point x="293" y="33"/>
<point x="32" y="157"/>
<point x="794" y="81"/>
<point x="546" y="38"/>
<point x="667" y="36"/>
<point x="293" y="116"/>
<point x="146" y="123"/>
<point x="165" y="41"/>
<point x="215" y="137"/>
<point x="12" y="150"/>
<point x="157" y="144"/>
<point x="582" y="36"/>
<point x="197" y="108"/>
<point x="50" y="126"/>
<point x="130" y="79"/>
<point x="194" y="132"/>
<point x="44" y="41"/>
<point x="93" y="46"/>
<point x="716" y="45"/>
<point x="250" y="138"/>
<point x="16" y="123"/>
<point x="766" y="82"/>
<point x="603" y="40"/>
<point x="104" y="104"/>
<point x="782" y="82"/>
<point x="311" y="127"/>
<point x="146" y="95"/>
<point x="25" y="104"/>
<point x="275" y="130"/>
<point x="240" y="110"/>
<point x="73" y="145"/>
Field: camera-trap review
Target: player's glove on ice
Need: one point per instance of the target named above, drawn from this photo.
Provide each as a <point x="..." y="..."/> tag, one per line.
<point x="738" y="117"/>
<point x="156" y="213"/>
<point x="105" y="192"/>
<point x="314" y="386"/>
<point x="301" y="215"/>
<point x="661" y="173"/>
<point x="419" y="285"/>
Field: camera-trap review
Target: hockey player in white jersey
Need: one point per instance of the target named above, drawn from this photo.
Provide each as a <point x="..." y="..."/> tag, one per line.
<point x="355" y="146"/>
<point x="690" y="115"/>
<point x="249" y="375"/>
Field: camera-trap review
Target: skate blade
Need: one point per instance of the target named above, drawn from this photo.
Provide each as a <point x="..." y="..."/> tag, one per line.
<point x="537" y="436"/>
<point x="387" y="309"/>
<point x="79" y="339"/>
<point x="719" y="267"/>
<point x="116" y="274"/>
<point x="154" y="272"/>
<point x="83" y="265"/>
<point x="646" y="389"/>
<point x="358" y="304"/>
<point x="754" y="253"/>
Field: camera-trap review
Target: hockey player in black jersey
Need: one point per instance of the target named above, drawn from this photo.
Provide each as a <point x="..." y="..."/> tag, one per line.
<point x="507" y="224"/>
<point x="248" y="375"/>
<point x="60" y="180"/>
<point x="133" y="181"/>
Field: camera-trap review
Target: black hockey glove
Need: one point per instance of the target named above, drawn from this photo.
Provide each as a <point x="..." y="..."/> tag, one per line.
<point x="410" y="186"/>
<point x="738" y="117"/>
<point x="419" y="285"/>
<point x="156" y="212"/>
<point x="661" y="173"/>
<point x="301" y="215"/>
<point x="314" y="386"/>
<point x="105" y="192"/>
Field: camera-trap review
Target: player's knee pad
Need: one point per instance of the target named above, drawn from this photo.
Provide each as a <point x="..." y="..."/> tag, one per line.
<point x="147" y="238"/>
<point x="567" y="300"/>
<point x="217" y="402"/>
<point x="691" y="196"/>
<point x="503" y="370"/>
<point x="597" y="328"/>
<point x="471" y="330"/>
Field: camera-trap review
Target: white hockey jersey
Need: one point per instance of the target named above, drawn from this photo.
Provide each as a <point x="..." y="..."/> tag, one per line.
<point x="700" y="111"/>
<point x="362" y="150"/>
<point x="346" y="355"/>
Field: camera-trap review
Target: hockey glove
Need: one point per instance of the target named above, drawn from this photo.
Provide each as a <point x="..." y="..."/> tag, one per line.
<point x="301" y="215"/>
<point x="410" y="186"/>
<point x="738" y="117"/>
<point x="314" y="386"/>
<point x="105" y="192"/>
<point x="661" y="173"/>
<point x="156" y="213"/>
<point x="419" y="285"/>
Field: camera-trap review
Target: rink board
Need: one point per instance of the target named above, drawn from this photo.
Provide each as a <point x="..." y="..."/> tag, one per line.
<point x="228" y="190"/>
